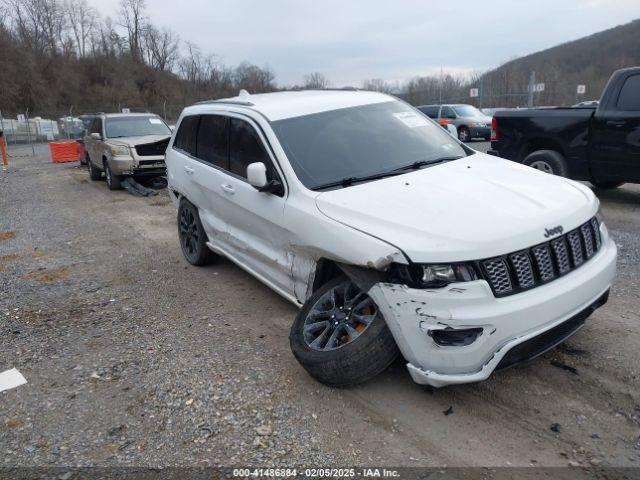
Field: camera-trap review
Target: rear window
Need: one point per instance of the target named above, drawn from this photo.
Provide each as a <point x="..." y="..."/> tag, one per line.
<point x="187" y="134"/>
<point x="629" y="98"/>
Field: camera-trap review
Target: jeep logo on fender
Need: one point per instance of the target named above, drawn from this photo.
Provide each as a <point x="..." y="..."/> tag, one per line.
<point x="550" y="232"/>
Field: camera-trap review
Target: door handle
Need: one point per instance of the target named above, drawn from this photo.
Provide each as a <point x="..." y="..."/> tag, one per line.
<point x="616" y="123"/>
<point x="189" y="170"/>
<point x="228" y="189"/>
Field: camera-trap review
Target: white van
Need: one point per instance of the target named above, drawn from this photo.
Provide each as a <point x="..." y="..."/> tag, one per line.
<point x="391" y="235"/>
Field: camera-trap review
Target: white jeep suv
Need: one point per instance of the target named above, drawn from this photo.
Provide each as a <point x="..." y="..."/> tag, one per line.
<point x="391" y="235"/>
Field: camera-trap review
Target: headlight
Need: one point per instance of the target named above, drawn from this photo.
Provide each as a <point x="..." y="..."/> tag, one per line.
<point x="120" y="150"/>
<point x="441" y="275"/>
<point x="433" y="276"/>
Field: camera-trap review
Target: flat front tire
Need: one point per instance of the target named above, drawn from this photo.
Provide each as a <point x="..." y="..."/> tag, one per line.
<point x="340" y="336"/>
<point x="548" y="161"/>
<point x="193" y="238"/>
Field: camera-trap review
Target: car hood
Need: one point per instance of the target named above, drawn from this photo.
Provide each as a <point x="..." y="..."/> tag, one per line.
<point x="133" y="141"/>
<point x="468" y="209"/>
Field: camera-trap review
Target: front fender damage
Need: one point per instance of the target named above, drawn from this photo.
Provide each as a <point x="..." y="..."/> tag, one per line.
<point x="425" y="323"/>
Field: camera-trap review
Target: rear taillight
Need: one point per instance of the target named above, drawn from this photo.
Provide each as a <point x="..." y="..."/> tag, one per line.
<point x="494" y="129"/>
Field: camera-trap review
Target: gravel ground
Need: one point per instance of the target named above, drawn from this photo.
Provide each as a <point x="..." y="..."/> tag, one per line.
<point x="135" y="358"/>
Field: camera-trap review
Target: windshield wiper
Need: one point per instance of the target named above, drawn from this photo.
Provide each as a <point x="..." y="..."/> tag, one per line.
<point x="347" y="181"/>
<point x="424" y="163"/>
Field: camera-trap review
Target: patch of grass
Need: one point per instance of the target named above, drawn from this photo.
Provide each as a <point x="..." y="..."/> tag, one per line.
<point x="47" y="276"/>
<point x="7" y="235"/>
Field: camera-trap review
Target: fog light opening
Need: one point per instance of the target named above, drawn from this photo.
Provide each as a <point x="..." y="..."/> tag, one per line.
<point x="451" y="337"/>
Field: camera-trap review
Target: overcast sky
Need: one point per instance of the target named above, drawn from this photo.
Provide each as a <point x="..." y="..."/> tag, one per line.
<point x="352" y="40"/>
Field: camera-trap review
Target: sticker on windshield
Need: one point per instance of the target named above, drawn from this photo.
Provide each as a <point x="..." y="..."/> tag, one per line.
<point x="411" y="119"/>
<point x="155" y="120"/>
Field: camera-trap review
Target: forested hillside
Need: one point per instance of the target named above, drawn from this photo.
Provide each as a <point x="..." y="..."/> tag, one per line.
<point x="61" y="57"/>
<point x="587" y="61"/>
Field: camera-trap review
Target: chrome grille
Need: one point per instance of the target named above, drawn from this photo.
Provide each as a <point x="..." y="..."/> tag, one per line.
<point x="542" y="256"/>
<point x="562" y="255"/>
<point x="542" y="263"/>
<point x="587" y="236"/>
<point x="523" y="270"/>
<point x="576" y="248"/>
<point x="596" y="232"/>
<point x="498" y="276"/>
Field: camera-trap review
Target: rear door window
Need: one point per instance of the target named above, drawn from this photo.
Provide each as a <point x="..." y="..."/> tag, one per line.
<point x="629" y="98"/>
<point x="213" y="140"/>
<point x="447" y="112"/>
<point x="187" y="134"/>
<point x="431" y="112"/>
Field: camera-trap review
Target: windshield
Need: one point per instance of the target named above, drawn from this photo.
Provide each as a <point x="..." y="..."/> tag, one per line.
<point x="468" y="111"/>
<point x="135" y="126"/>
<point x="361" y="141"/>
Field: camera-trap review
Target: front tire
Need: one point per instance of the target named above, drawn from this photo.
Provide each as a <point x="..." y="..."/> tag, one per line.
<point x="548" y="161"/>
<point x="94" y="173"/>
<point x="193" y="238"/>
<point x="340" y="336"/>
<point x="113" y="180"/>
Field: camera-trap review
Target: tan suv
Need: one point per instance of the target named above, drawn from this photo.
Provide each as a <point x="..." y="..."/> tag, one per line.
<point x="126" y="144"/>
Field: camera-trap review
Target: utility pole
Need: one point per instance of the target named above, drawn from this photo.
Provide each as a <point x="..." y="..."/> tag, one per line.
<point x="440" y="102"/>
<point x="532" y="87"/>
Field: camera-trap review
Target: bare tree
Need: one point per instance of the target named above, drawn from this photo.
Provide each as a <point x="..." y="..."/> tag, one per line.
<point x="161" y="47"/>
<point x="378" y="85"/>
<point x="106" y="41"/>
<point x="192" y="64"/>
<point x="253" y="78"/>
<point x="316" y="80"/>
<point x="82" y="19"/>
<point x="37" y="23"/>
<point x="133" y="19"/>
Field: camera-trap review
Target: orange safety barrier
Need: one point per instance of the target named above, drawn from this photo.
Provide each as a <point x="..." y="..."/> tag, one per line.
<point x="62" y="152"/>
<point x="5" y="164"/>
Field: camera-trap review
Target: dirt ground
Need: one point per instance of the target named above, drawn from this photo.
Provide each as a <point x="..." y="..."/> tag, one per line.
<point x="134" y="357"/>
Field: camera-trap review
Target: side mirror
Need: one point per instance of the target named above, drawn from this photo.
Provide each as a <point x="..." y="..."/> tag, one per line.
<point x="451" y="128"/>
<point x="257" y="175"/>
<point x="96" y="136"/>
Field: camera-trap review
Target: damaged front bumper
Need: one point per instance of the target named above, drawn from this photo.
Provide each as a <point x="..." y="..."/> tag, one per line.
<point x="150" y="166"/>
<point x="461" y="333"/>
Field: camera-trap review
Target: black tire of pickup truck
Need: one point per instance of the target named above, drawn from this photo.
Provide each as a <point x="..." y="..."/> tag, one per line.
<point x="352" y="363"/>
<point x="606" y="185"/>
<point x="548" y="161"/>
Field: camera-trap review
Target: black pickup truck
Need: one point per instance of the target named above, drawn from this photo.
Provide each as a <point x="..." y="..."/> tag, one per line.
<point x="601" y="145"/>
